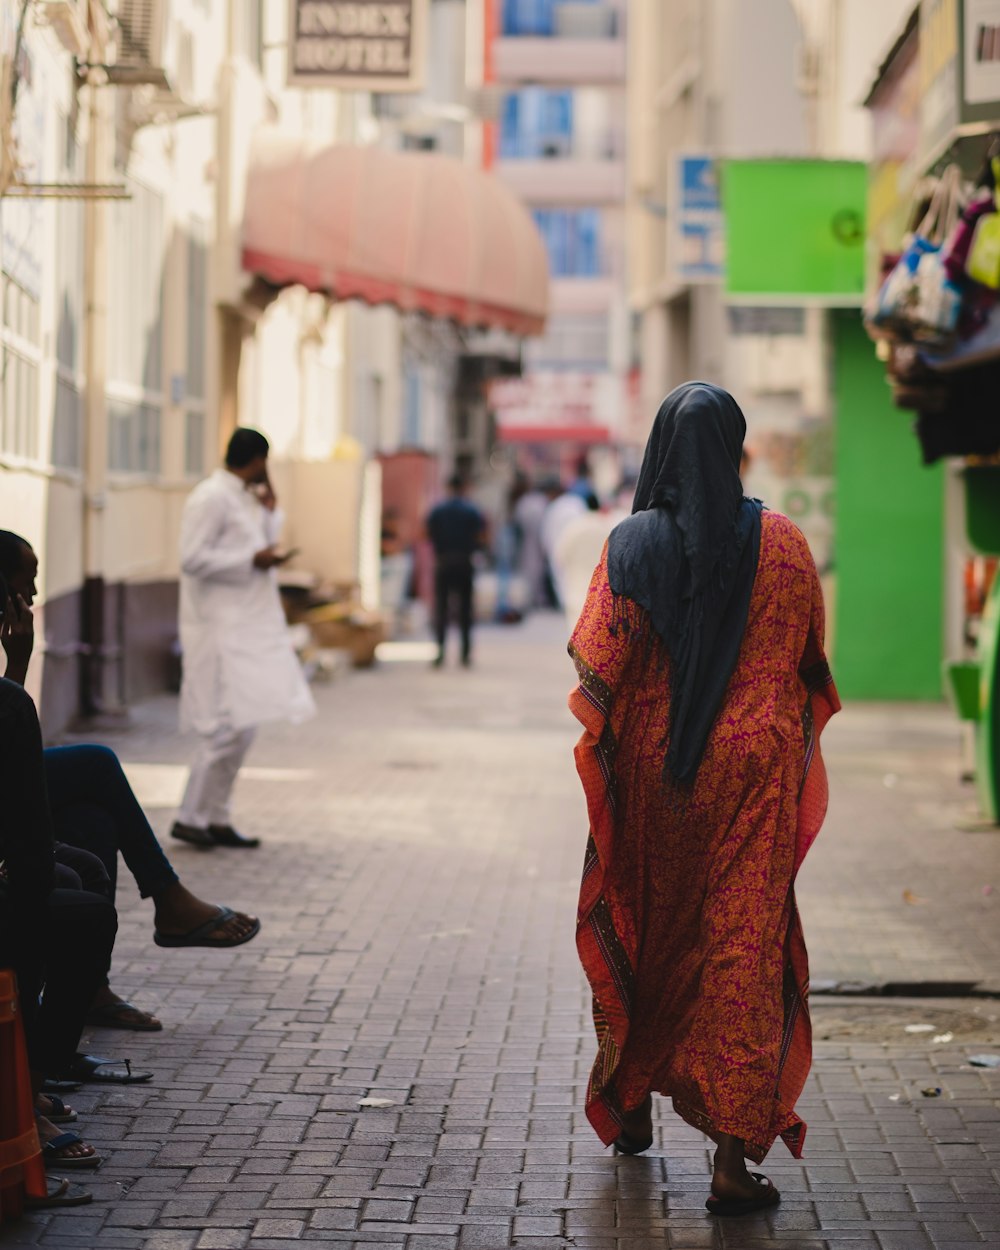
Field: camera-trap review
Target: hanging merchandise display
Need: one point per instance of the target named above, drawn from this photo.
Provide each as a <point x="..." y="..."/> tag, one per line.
<point x="977" y="348"/>
<point x="914" y="383"/>
<point x="937" y="316"/>
<point x="971" y="258"/>
<point x="919" y="301"/>
<point x="983" y="262"/>
<point x="966" y="423"/>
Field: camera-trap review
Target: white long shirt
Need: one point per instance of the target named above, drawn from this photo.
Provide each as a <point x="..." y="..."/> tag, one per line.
<point x="239" y="668"/>
<point x="577" y="554"/>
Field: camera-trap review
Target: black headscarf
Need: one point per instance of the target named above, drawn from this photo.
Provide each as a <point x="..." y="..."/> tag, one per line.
<point x="688" y="555"/>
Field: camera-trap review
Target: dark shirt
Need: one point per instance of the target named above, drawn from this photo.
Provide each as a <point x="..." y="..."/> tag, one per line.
<point x="26" y="844"/>
<point x="455" y="528"/>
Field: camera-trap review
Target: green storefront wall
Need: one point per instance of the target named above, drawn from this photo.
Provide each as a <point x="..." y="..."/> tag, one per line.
<point x="888" y="635"/>
<point x="795" y="230"/>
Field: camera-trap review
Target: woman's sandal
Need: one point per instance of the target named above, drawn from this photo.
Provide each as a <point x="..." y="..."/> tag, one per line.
<point x="768" y="1197"/>
<point x="51" y="1086"/>
<point x="60" y="1194"/>
<point x="625" y="1143"/>
<point x="58" y="1112"/>
<point x="90" y="1068"/>
<point x="202" y="935"/>
<point x="52" y="1157"/>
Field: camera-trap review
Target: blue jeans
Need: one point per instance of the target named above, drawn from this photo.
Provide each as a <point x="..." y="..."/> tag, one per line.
<point x="93" y="808"/>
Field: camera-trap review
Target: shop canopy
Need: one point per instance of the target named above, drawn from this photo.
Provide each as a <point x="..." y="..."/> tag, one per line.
<point x="417" y="230"/>
<point x="553" y="434"/>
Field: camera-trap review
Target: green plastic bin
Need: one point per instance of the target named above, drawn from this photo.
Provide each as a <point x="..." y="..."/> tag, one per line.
<point x="963" y="681"/>
<point x="982" y="507"/>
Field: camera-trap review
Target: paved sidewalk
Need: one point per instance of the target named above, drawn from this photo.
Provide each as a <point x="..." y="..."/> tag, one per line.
<point x="417" y="886"/>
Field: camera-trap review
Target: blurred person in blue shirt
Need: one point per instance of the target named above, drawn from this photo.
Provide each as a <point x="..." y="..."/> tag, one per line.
<point x="583" y="485"/>
<point x="457" y="530"/>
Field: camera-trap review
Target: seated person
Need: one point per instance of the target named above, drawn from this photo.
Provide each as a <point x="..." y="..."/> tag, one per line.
<point x="93" y="808"/>
<point x="57" y="941"/>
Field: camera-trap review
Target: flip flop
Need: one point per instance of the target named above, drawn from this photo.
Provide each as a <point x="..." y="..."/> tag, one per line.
<point x="625" y="1145"/>
<point x="51" y="1086"/>
<point x="746" y="1206"/>
<point x="86" y="1068"/>
<point x="201" y="935"/>
<point x="115" y="1016"/>
<point x="51" y="1148"/>
<point x="58" y="1112"/>
<point x="60" y="1194"/>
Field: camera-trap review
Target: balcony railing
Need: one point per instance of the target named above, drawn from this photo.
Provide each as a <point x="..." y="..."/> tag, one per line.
<point x="571" y="182"/>
<point x="590" y="35"/>
<point x="564" y="19"/>
<point x="580" y="145"/>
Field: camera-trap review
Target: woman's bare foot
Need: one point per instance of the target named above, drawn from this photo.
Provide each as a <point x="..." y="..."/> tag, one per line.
<point x="110" y="1011"/>
<point x="731" y="1182"/>
<point x="47" y="1131"/>
<point x="46" y="1105"/>
<point x="178" y="911"/>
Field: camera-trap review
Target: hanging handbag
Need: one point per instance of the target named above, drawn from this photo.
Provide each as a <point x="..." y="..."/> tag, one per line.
<point x="983" y="261"/>
<point x="918" y="301"/>
<point x="962" y="353"/>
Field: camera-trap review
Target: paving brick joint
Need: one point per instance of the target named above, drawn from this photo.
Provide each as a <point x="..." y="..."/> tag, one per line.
<point x="417" y="887"/>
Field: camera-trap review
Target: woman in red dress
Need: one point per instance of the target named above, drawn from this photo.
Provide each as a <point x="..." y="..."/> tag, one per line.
<point x="703" y="691"/>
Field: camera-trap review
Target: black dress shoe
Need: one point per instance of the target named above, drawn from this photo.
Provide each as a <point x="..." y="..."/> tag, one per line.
<point x="226" y="835"/>
<point x="193" y="834"/>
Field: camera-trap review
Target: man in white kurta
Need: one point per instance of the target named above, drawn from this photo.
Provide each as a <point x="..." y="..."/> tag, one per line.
<point x="239" y="668"/>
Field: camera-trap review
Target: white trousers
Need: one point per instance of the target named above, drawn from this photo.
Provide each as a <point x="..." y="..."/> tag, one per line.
<point x="213" y="774"/>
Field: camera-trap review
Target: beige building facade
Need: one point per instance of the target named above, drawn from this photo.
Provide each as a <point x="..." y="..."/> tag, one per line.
<point x="132" y="340"/>
<point x="722" y="80"/>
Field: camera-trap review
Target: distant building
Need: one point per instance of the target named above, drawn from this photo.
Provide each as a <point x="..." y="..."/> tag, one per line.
<point x="557" y="74"/>
<point x="135" y="332"/>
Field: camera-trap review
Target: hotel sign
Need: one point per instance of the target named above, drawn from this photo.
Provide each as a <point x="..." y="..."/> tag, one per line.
<point x="357" y="45"/>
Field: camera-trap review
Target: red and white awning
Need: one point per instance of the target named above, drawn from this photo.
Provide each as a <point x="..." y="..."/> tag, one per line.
<point x="417" y="230"/>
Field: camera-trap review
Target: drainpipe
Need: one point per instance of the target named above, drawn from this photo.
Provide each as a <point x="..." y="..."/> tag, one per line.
<point x="95" y="437"/>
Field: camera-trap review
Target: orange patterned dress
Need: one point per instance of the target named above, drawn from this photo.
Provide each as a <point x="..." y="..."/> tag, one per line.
<point x="687" y="925"/>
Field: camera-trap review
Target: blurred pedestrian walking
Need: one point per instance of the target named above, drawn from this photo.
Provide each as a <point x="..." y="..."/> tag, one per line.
<point x="396" y="571"/>
<point x="566" y="507"/>
<point x="239" y="667"/>
<point x="529" y="513"/>
<point x="578" y="550"/>
<point x="703" y="690"/>
<point x="457" y="530"/>
<point x="583" y="484"/>
<point x="507" y="550"/>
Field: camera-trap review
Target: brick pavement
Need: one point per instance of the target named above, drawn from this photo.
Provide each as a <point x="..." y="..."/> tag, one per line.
<point x="417" y="887"/>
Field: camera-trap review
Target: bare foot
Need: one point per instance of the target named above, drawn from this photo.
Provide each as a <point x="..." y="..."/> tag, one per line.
<point x="47" y="1131"/>
<point x="110" y="1010"/>
<point x="179" y="912"/>
<point x="45" y="1106"/>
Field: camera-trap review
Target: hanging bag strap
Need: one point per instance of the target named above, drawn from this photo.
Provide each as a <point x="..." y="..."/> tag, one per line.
<point x="943" y="211"/>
